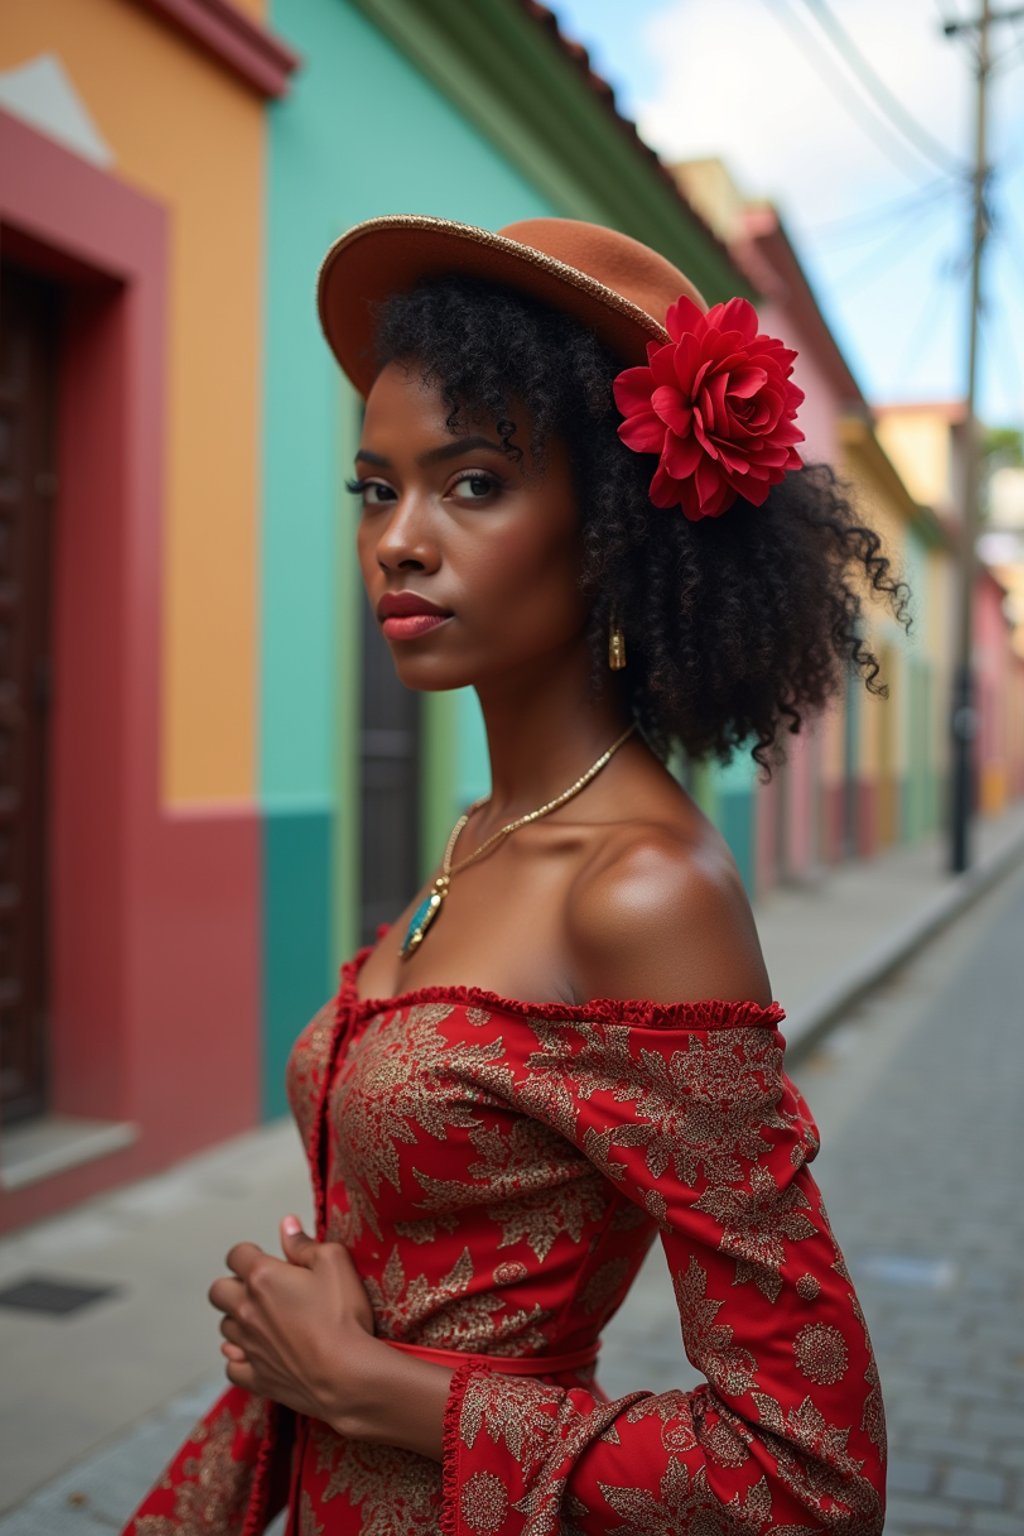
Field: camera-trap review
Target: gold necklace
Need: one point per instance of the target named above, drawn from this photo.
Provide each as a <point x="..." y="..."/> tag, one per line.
<point x="429" y="907"/>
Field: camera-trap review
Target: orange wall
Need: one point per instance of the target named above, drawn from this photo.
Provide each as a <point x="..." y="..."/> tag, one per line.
<point x="189" y="133"/>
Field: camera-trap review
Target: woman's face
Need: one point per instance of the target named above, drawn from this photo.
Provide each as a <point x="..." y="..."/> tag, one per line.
<point x="451" y="519"/>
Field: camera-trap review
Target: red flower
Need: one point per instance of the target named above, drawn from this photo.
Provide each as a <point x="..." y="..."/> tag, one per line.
<point x="716" y="405"/>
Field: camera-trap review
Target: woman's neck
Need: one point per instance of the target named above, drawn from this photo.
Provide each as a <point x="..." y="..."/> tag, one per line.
<point x="544" y="730"/>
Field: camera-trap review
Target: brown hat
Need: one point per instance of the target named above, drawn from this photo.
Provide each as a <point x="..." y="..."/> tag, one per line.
<point x="615" y="285"/>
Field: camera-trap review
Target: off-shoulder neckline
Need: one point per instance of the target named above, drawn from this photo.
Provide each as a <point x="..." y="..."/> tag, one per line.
<point x="704" y="1013"/>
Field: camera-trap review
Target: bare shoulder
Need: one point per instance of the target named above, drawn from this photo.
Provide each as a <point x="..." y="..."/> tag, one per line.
<point x="662" y="913"/>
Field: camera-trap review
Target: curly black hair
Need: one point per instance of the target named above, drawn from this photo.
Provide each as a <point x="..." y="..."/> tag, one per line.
<point x="735" y="625"/>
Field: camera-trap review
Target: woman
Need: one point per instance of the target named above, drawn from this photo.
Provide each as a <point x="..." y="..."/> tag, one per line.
<point x="580" y="494"/>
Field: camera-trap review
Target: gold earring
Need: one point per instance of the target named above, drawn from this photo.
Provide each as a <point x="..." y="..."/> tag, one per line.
<point x="616" y="646"/>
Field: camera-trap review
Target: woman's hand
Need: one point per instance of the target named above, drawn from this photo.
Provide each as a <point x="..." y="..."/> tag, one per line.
<point x="298" y="1330"/>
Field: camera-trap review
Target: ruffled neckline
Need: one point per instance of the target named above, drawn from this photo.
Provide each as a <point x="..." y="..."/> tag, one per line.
<point x="705" y="1013"/>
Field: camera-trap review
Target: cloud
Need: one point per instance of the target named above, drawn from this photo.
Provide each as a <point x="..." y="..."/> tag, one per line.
<point x="733" y="81"/>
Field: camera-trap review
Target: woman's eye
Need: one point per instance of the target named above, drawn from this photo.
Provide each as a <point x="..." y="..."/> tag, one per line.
<point x="475" y="486"/>
<point x="374" y="493"/>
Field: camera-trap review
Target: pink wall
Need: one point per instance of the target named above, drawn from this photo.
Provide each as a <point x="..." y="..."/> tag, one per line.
<point x="820" y="410"/>
<point x="789" y="813"/>
<point x="155" y="919"/>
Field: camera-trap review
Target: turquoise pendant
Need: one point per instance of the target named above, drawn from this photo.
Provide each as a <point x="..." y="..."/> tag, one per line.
<point x="423" y="917"/>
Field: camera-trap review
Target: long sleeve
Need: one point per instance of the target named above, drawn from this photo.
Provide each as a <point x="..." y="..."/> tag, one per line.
<point x="703" y="1129"/>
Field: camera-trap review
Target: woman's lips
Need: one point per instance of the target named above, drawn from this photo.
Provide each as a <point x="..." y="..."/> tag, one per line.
<point x="408" y="626"/>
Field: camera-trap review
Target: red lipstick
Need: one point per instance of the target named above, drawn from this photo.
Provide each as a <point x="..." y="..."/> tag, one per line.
<point x="404" y="615"/>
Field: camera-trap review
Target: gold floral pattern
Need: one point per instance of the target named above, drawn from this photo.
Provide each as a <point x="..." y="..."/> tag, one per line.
<point x="309" y="1525"/>
<point x="535" y="1190"/>
<point x="406" y="1077"/>
<point x="444" y="1315"/>
<point x="484" y="1502"/>
<point x="684" y="1502"/>
<point x="498" y="1174"/>
<point x="211" y="1492"/>
<point x="755" y="1222"/>
<point x="390" y="1491"/>
<point x="821" y="1353"/>
<point x="726" y="1366"/>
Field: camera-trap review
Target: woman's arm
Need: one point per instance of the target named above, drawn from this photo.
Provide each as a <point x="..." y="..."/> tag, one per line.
<point x="691" y="1116"/>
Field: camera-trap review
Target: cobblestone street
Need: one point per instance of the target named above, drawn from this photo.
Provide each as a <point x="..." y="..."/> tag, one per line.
<point x="918" y="1098"/>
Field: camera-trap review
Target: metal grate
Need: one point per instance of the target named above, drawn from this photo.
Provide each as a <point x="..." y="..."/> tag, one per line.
<point x="59" y="1298"/>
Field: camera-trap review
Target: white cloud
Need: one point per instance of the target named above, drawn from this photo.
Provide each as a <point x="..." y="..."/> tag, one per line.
<point x="734" y="82"/>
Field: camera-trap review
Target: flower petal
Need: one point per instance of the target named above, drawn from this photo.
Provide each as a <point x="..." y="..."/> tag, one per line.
<point x="632" y="390"/>
<point x="681" y="455"/>
<point x="746" y="380"/>
<point x="672" y="409"/>
<point x="644" y="432"/>
<point x="737" y="315"/>
<point x="683" y="316"/>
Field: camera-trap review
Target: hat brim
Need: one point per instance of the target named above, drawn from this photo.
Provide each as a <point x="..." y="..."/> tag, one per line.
<point x="388" y="255"/>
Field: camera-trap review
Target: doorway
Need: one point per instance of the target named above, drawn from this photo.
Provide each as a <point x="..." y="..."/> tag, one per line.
<point x="390" y="785"/>
<point x="29" y="337"/>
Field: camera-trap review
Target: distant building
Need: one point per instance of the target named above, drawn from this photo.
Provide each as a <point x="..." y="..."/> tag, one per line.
<point x="925" y="440"/>
<point x="869" y="772"/>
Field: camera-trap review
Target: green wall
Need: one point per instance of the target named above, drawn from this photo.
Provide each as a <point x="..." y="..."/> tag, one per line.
<point x="361" y="132"/>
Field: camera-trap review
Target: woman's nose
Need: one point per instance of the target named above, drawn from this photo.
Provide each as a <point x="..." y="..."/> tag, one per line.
<point x="408" y="539"/>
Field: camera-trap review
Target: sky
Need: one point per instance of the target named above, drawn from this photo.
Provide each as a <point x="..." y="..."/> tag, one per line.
<point x="881" y="219"/>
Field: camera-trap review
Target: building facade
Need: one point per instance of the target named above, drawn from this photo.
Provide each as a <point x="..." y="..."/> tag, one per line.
<point x="207" y="753"/>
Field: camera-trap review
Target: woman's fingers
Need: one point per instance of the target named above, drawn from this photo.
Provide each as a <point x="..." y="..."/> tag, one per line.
<point x="230" y="1329"/>
<point x="242" y="1257"/>
<point x="225" y="1293"/>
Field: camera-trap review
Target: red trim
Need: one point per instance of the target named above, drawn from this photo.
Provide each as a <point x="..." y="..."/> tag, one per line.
<point x="704" y="1013"/>
<point x="507" y="1365"/>
<point x="451" y="1445"/>
<point x="234" y="39"/>
<point x="155" y="917"/>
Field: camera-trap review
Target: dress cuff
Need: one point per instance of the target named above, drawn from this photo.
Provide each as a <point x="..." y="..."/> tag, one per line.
<point x="451" y="1448"/>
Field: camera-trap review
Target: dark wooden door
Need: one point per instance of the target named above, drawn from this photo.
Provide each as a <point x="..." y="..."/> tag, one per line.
<point x="29" y="315"/>
<point x="390" y="785"/>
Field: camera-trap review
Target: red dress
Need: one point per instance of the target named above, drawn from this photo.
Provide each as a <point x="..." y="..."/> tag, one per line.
<point x="498" y="1170"/>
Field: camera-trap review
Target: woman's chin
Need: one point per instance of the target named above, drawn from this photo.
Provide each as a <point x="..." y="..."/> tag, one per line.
<point x="431" y="674"/>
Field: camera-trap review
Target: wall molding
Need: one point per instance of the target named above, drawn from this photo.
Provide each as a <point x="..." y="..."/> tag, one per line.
<point x="249" y="50"/>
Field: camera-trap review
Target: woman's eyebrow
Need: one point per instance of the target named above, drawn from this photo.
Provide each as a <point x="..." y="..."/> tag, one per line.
<point x="434" y="455"/>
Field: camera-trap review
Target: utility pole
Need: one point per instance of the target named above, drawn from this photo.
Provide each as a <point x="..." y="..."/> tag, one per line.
<point x="963" y="715"/>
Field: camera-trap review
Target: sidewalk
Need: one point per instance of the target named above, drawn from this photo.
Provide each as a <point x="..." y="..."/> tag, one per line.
<point x="826" y="944"/>
<point x="93" y="1403"/>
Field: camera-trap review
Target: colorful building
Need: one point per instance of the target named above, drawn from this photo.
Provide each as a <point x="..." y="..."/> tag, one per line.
<point x="925" y="441"/>
<point x="207" y="751"/>
<point x="870" y="771"/>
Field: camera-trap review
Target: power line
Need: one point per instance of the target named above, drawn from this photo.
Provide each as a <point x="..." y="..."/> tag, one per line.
<point x="949" y="20"/>
<point x="867" y="218"/>
<point x="822" y="62"/>
<point x="924" y="326"/>
<point x="900" y="240"/>
<point x="1005" y="228"/>
<point x="880" y="93"/>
